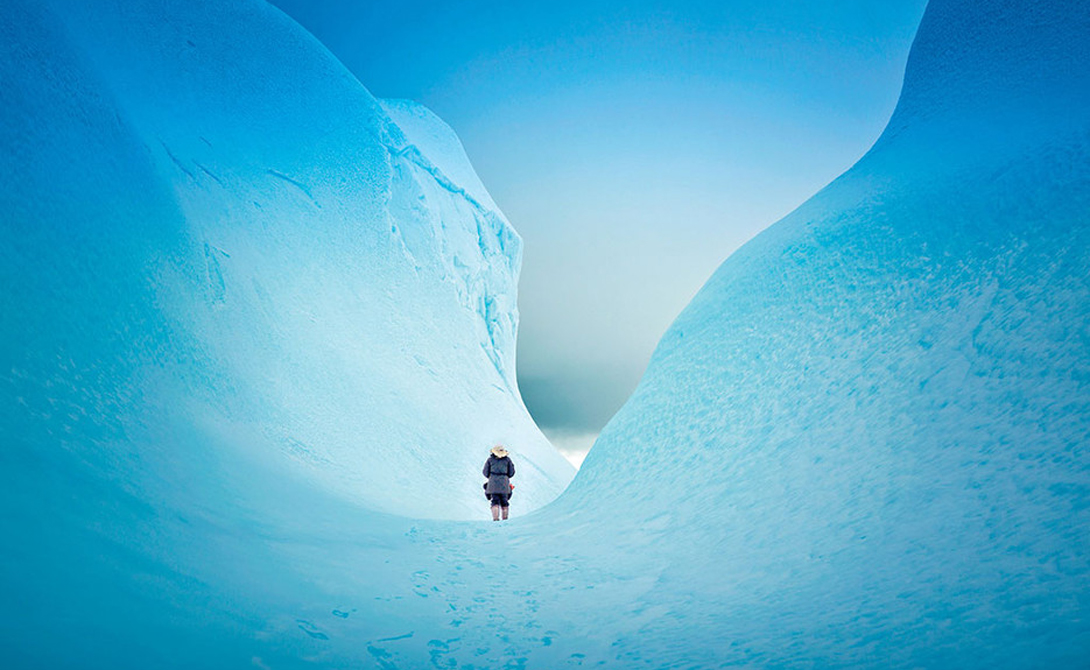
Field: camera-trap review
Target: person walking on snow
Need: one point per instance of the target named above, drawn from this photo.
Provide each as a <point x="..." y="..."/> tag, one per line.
<point x="499" y="468"/>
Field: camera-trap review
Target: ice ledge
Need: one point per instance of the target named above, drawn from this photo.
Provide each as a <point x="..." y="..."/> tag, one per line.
<point x="479" y="250"/>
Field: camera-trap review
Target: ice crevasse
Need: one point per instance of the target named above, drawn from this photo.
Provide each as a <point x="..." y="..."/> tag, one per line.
<point x="862" y="445"/>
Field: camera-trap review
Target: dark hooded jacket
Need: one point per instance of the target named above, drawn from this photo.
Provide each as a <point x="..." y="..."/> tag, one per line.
<point x="499" y="472"/>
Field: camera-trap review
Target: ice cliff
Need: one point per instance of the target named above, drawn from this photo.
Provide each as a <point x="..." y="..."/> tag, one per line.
<point x="216" y="240"/>
<point x="243" y="305"/>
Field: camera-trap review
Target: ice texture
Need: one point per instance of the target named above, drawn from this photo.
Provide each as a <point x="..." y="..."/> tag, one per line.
<point x="241" y="304"/>
<point x="256" y="321"/>
<point x="215" y="236"/>
<point x="869" y="433"/>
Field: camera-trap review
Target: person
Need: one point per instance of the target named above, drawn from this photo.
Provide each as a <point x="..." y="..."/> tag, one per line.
<point x="499" y="468"/>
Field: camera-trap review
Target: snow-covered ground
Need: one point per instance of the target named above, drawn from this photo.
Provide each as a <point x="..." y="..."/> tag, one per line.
<point x="259" y="324"/>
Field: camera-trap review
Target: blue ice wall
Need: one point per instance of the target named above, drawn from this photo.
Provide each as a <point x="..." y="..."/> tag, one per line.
<point x="211" y="226"/>
<point x="869" y="430"/>
<point x="242" y="307"/>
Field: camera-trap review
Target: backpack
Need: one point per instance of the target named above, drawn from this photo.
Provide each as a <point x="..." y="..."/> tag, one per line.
<point x="486" y="497"/>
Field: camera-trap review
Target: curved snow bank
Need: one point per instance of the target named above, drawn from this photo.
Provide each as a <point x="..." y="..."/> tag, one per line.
<point x="218" y="246"/>
<point x="864" y="442"/>
<point x="244" y="316"/>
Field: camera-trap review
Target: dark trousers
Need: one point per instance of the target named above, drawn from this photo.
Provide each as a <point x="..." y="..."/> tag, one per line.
<point x="500" y="499"/>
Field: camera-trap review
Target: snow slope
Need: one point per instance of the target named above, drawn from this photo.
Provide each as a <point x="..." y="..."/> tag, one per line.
<point x="240" y="304"/>
<point x="867" y="434"/>
<point x="213" y="227"/>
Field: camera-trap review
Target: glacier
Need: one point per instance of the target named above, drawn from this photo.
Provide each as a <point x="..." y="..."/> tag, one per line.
<point x="248" y="242"/>
<point x="867" y="434"/>
<point x="238" y="295"/>
<point x="259" y="330"/>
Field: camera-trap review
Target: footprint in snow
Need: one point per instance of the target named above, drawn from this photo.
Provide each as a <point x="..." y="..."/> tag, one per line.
<point x="311" y="630"/>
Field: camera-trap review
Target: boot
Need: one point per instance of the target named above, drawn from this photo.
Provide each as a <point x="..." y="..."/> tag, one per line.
<point x="504" y="513"/>
<point x="495" y="512"/>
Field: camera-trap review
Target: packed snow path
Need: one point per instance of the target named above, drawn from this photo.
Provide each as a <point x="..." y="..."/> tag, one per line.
<point x="240" y="370"/>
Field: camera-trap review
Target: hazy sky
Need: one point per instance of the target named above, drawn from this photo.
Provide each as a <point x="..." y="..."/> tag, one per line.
<point x="634" y="145"/>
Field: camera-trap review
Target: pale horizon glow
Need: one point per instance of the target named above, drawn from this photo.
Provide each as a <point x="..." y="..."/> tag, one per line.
<point x="573" y="446"/>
